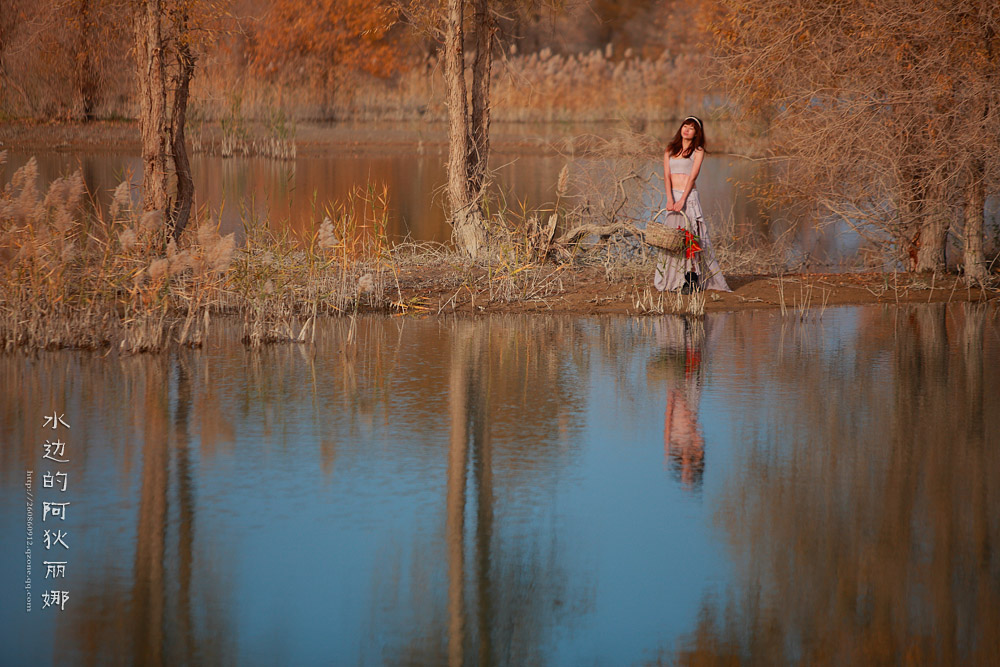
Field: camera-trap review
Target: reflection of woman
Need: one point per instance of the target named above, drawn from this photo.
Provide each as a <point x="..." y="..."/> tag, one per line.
<point x="681" y="341"/>
<point x="683" y="444"/>
<point x="693" y="268"/>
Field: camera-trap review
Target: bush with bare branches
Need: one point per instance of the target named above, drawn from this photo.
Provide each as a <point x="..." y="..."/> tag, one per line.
<point x="884" y="115"/>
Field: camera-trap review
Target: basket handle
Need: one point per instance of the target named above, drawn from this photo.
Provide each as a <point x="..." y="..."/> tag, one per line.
<point x="687" y="220"/>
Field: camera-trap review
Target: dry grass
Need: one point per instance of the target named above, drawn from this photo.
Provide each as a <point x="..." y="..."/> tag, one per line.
<point x="345" y="265"/>
<point x="541" y="86"/>
<point x="69" y="278"/>
<point x="272" y="137"/>
<point x="653" y="302"/>
<point x="596" y="86"/>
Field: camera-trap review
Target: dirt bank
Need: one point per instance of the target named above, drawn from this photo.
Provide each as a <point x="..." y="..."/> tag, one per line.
<point x="586" y="291"/>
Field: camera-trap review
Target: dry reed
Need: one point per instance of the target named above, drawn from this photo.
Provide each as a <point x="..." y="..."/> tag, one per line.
<point x="71" y="276"/>
<point x="536" y="87"/>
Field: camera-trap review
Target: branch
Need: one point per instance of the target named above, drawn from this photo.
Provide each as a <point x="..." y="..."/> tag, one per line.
<point x="577" y="233"/>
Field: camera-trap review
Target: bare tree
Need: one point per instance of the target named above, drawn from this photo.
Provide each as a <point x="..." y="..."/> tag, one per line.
<point x="165" y="47"/>
<point x="86" y="76"/>
<point x="468" y="121"/>
<point x="61" y="58"/>
<point x="459" y="25"/>
<point x="889" y="112"/>
<point x="153" y="123"/>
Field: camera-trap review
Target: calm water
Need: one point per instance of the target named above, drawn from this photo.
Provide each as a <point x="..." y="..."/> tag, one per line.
<point x="511" y="490"/>
<point x="297" y="193"/>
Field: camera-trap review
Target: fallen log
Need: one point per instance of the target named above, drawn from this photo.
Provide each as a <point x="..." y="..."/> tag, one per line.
<point x="602" y="231"/>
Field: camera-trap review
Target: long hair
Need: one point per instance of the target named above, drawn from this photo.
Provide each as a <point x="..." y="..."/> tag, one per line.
<point x="676" y="144"/>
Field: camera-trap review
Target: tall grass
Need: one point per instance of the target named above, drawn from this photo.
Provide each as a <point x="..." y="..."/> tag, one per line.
<point x="72" y="276"/>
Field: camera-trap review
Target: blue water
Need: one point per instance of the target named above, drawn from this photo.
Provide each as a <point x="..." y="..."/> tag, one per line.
<point x="515" y="490"/>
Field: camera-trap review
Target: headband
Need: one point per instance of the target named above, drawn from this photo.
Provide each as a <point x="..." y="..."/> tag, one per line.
<point x="695" y="119"/>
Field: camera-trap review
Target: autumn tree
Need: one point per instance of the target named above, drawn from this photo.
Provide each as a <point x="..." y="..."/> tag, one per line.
<point x="888" y="113"/>
<point x="316" y="43"/>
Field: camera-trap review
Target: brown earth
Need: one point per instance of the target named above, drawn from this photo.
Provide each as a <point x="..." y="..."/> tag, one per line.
<point x="586" y="291"/>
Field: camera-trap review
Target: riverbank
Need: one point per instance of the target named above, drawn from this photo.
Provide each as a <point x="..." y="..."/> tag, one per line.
<point x="586" y="291"/>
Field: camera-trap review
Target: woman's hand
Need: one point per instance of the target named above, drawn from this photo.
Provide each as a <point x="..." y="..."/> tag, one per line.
<point x="678" y="205"/>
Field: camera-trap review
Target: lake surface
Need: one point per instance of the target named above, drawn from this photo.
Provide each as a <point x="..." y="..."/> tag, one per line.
<point x="517" y="490"/>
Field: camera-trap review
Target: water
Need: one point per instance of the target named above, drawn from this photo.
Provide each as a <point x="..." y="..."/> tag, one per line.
<point x="297" y="193"/>
<point x="515" y="490"/>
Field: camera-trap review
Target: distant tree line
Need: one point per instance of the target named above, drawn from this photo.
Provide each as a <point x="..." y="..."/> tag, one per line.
<point x="72" y="58"/>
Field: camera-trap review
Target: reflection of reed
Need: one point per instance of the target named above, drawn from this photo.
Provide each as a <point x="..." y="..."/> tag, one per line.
<point x="863" y="518"/>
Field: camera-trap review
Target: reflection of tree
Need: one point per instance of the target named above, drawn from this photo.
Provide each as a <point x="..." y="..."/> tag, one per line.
<point x="153" y="622"/>
<point x="501" y="594"/>
<point x="864" y="519"/>
<point x="149" y="588"/>
<point x="511" y="385"/>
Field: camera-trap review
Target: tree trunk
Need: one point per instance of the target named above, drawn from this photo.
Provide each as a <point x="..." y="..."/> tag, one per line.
<point x="185" y="184"/>
<point x="85" y="78"/>
<point x="933" y="233"/>
<point x="975" y="201"/>
<point x="152" y="104"/>
<point x="482" y="69"/>
<point x="909" y="207"/>
<point x="466" y="217"/>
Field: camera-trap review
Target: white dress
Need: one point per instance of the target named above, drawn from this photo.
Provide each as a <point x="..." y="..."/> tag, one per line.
<point x="671" y="267"/>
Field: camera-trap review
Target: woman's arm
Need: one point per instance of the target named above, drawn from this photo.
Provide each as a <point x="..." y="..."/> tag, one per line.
<point x="666" y="179"/>
<point x="699" y="155"/>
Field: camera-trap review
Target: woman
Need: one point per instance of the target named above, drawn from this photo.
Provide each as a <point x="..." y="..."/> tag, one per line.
<point x="696" y="267"/>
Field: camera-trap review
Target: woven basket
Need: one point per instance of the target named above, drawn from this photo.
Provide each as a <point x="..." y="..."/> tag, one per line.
<point x="667" y="237"/>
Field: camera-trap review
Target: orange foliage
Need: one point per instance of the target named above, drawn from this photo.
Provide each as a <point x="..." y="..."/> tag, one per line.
<point x="312" y="40"/>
